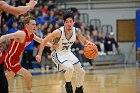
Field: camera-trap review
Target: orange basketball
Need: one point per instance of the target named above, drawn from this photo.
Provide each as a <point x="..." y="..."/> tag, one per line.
<point x="90" y="51"/>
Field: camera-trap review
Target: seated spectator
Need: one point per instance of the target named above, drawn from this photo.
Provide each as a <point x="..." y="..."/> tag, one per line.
<point x="39" y="32"/>
<point x="4" y="44"/>
<point x="50" y="5"/>
<point x="45" y="27"/>
<point x="52" y="18"/>
<point x="88" y="37"/>
<point x="28" y="56"/>
<point x="46" y="62"/>
<point x="14" y="27"/>
<point x="101" y="40"/>
<point x="95" y="39"/>
<point x="10" y="21"/>
<point x="22" y="2"/>
<point x="45" y="9"/>
<point x="21" y="22"/>
<point x="39" y="19"/>
<point x="77" y="49"/>
<point x="110" y="42"/>
<point x="13" y="3"/>
<point x="138" y="55"/>
<point x="5" y="29"/>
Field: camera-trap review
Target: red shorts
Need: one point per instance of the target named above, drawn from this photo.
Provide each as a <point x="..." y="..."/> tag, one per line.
<point x="12" y="64"/>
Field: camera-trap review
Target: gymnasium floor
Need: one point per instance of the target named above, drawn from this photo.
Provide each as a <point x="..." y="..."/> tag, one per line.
<point x="108" y="79"/>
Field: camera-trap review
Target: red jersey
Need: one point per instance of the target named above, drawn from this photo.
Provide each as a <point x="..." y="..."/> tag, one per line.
<point x="12" y="55"/>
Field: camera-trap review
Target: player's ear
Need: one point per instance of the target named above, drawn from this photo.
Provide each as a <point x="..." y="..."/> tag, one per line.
<point x="26" y="25"/>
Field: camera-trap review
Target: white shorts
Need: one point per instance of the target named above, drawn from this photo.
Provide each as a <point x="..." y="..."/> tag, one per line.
<point x="59" y="58"/>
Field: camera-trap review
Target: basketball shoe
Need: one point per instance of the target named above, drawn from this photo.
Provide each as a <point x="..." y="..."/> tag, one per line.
<point x="79" y="89"/>
<point x="68" y="87"/>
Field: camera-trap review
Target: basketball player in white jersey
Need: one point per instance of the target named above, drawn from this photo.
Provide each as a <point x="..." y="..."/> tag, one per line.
<point x="62" y="56"/>
<point x="4" y="7"/>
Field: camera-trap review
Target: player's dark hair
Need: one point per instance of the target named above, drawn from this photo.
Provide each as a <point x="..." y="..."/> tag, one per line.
<point x="27" y="19"/>
<point x="68" y="14"/>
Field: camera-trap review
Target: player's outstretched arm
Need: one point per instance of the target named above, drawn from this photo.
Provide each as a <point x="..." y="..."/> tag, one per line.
<point x="39" y="40"/>
<point x="19" y="35"/>
<point x="17" y="10"/>
<point x="47" y="39"/>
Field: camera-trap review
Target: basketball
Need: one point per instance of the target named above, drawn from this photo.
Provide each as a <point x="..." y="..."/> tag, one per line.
<point x="90" y="51"/>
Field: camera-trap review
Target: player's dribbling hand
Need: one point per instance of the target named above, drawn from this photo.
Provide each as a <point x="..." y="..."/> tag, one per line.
<point x="89" y="43"/>
<point x="38" y="58"/>
<point x="32" y="3"/>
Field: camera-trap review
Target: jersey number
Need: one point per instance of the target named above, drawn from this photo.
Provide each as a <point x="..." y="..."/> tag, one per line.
<point x="65" y="48"/>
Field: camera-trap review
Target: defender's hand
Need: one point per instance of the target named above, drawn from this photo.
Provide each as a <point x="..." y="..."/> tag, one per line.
<point x="55" y="46"/>
<point x="38" y="58"/>
<point x="32" y="3"/>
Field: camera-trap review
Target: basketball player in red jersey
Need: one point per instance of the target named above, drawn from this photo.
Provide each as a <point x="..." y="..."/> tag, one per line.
<point x="15" y="11"/>
<point x="20" y="40"/>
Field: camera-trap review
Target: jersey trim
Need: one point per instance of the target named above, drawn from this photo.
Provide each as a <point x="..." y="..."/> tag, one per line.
<point x="76" y="63"/>
<point x="65" y="34"/>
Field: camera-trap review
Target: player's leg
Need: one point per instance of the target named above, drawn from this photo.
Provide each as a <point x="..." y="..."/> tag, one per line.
<point x="61" y="60"/>
<point x="28" y="78"/>
<point x="10" y="74"/>
<point x="68" y="67"/>
<point x="80" y="73"/>
<point x="3" y="80"/>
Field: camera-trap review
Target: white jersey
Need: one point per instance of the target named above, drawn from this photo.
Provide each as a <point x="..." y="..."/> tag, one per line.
<point x="64" y="43"/>
<point x="63" y="56"/>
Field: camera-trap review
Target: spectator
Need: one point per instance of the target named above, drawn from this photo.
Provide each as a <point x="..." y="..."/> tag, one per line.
<point x="52" y="18"/>
<point x="10" y="21"/>
<point x="13" y="3"/>
<point x="39" y="18"/>
<point x="138" y="56"/>
<point x="110" y="41"/>
<point x="88" y="37"/>
<point x="77" y="49"/>
<point x="5" y="29"/>
<point x="95" y="39"/>
<point x="14" y="27"/>
<point x="50" y="5"/>
<point x="101" y="40"/>
<point x="39" y="33"/>
<point x="45" y="27"/>
<point x="45" y="10"/>
<point x="22" y="2"/>
<point x="21" y="22"/>
<point x="27" y="57"/>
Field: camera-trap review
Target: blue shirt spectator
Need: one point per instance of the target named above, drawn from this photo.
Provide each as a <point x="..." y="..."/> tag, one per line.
<point x="14" y="27"/>
<point x="30" y="46"/>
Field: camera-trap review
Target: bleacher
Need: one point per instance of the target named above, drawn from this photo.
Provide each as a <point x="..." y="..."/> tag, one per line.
<point x="109" y="59"/>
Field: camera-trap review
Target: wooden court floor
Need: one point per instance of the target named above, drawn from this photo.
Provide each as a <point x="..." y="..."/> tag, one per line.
<point x="112" y="79"/>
